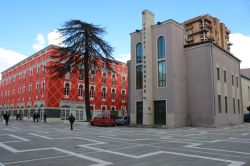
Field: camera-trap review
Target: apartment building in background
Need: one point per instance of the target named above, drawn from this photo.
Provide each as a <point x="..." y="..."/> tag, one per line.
<point x="207" y="28"/>
<point x="173" y="83"/>
<point x="27" y="87"/>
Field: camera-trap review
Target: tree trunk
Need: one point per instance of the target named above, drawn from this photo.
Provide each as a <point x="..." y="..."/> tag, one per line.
<point x="86" y="75"/>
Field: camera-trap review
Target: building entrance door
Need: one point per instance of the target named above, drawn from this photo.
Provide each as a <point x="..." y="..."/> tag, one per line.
<point x="139" y="112"/>
<point x="65" y="113"/>
<point x="160" y="112"/>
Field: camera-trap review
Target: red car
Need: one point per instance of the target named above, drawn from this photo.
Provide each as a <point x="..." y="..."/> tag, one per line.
<point x="103" y="120"/>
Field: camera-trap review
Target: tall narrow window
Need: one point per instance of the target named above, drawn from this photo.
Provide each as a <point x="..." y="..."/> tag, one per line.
<point x="37" y="85"/>
<point x="226" y="104"/>
<point x="123" y="95"/>
<point x="91" y="92"/>
<point x="92" y="76"/>
<point x="232" y="80"/>
<point x="139" y="68"/>
<point x="237" y="82"/>
<point x="239" y="106"/>
<point x="43" y="88"/>
<point x="234" y="104"/>
<point x="219" y="103"/>
<point x="139" y="79"/>
<point x="225" y="76"/>
<point x="139" y="53"/>
<point x="66" y="89"/>
<point x="218" y="73"/>
<point x="81" y="77"/>
<point x="124" y="81"/>
<point x="80" y="93"/>
<point x="113" y="94"/>
<point x="113" y="79"/>
<point x="161" y="61"/>
<point x="104" y="78"/>
<point x="103" y="93"/>
<point x="249" y="93"/>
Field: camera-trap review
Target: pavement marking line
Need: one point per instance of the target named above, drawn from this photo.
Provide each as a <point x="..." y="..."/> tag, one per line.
<point x="8" y="129"/>
<point x="40" y="136"/>
<point x="245" y="134"/>
<point x="21" y="138"/>
<point x="38" y="131"/>
<point x="13" y="150"/>
<point x="1" y="164"/>
<point x="100" y="162"/>
<point x="25" y="161"/>
<point x="232" y="163"/>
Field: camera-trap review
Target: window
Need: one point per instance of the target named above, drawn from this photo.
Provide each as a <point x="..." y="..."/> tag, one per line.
<point x="43" y="88"/>
<point x="226" y="104"/>
<point x="30" y="88"/>
<point x="225" y="76"/>
<point x="103" y="93"/>
<point x="123" y="95"/>
<point x="237" y="82"/>
<point x="104" y="78"/>
<point x="31" y="75"/>
<point x="66" y="89"/>
<point x="81" y="77"/>
<point x="249" y="93"/>
<point x="139" y="68"/>
<point x="218" y="73"/>
<point x="113" y="79"/>
<point x="161" y="73"/>
<point x="234" y="104"/>
<point x="123" y="81"/>
<point x="232" y="80"/>
<point x="37" y="86"/>
<point x="139" y="53"/>
<point x="239" y="106"/>
<point x="91" y="92"/>
<point x="139" y="79"/>
<point x="113" y="94"/>
<point x="38" y="72"/>
<point x="219" y="103"/>
<point x="80" y="93"/>
<point x="161" y="47"/>
<point x="161" y="62"/>
<point x="44" y="70"/>
<point x="92" y="76"/>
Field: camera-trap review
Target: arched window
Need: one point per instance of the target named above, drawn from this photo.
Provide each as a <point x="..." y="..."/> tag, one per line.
<point x="123" y="81"/>
<point x="104" y="93"/>
<point x="139" y="52"/>
<point x="91" y="92"/>
<point x="113" y="79"/>
<point x="104" y="78"/>
<point x="161" y="61"/>
<point x="80" y="93"/>
<point x="161" y="47"/>
<point x="66" y="89"/>
<point x="123" y="95"/>
<point x="113" y="94"/>
<point x="43" y="88"/>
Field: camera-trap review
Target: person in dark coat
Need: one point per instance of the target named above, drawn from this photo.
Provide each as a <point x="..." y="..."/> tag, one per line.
<point x="34" y="117"/>
<point x="6" y="117"/>
<point x="71" y="120"/>
<point x="44" y="117"/>
<point x="37" y="116"/>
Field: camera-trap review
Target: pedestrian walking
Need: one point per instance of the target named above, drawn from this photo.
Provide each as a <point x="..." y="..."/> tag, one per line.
<point x="6" y="117"/>
<point x="44" y="117"/>
<point x="71" y="120"/>
<point x="34" y="117"/>
<point x="37" y="116"/>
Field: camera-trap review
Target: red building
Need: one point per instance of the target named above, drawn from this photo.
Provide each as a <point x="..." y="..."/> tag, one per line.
<point x="27" y="87"/>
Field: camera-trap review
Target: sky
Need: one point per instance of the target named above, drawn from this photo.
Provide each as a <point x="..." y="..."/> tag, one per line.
<point x="28" y="26"/>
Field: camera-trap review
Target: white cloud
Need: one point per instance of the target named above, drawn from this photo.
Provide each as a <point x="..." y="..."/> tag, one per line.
<point x="123" y="57"/>
<point x="55" y="37"/>
<point x="241" y="48"/>
<point x="40" y="42"/>
<point x="9" y="58"/>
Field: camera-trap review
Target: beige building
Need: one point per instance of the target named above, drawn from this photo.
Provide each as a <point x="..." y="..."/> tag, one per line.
<point x="173" y="84"/>
<point x="245" y="83"/>
<point x="207" y="28"/>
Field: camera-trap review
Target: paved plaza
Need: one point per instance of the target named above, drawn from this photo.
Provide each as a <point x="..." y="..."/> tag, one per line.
<point x="26" y="143"/>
